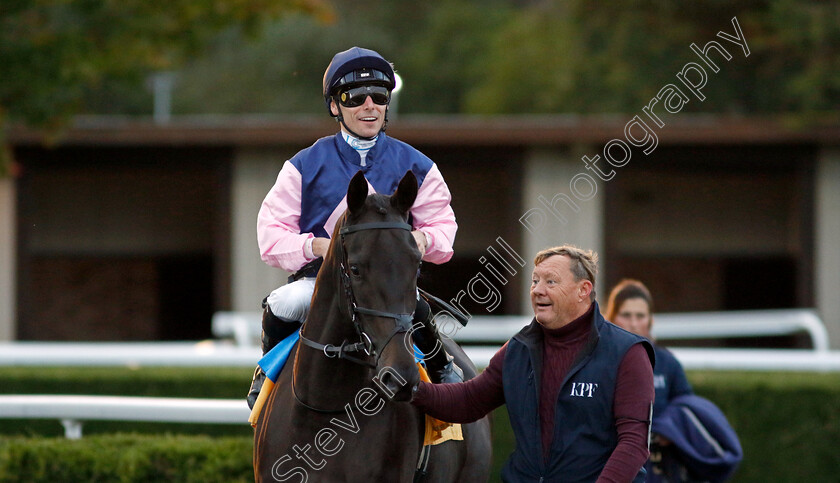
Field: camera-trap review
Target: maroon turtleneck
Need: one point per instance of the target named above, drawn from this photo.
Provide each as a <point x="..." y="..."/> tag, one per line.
<point x="469" y="401"/>
<point x="560" y="348"/>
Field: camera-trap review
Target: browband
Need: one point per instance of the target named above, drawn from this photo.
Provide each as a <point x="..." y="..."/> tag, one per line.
<point x="378" y="225"/>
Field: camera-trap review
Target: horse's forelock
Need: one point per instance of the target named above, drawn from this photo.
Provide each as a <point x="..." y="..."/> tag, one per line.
<point x="379" y="203"/>
<point x="375" y="203"/>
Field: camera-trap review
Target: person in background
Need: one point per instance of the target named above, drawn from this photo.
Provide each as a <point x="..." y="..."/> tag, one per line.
<point x="630" y="306"/>
<point x="578" y="389"/>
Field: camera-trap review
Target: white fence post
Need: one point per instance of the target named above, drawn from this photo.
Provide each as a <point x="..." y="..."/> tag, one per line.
<point x="72" y="428"/>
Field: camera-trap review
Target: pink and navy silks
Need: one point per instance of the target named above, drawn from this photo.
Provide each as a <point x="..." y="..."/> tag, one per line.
<point x="309" y="196"/>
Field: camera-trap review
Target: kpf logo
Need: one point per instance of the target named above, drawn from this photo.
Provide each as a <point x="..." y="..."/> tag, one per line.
<point x="583" y="389"/>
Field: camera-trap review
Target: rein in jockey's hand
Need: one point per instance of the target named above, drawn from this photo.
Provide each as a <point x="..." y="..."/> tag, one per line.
<point x="422" y="241"/>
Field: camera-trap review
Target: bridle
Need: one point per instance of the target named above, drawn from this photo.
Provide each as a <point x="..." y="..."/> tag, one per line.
<point x="402" y="322"/>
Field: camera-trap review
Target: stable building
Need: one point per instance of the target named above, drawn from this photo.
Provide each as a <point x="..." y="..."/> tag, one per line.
<point x="127" y="229"/>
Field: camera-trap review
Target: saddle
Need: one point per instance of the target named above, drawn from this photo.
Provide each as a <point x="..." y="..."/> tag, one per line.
<point x="310" y="270"/>
<point x="438" y="305"/>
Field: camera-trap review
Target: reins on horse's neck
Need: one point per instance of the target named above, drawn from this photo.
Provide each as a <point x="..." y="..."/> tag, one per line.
<point x="312" y="408"/>
<point x="402" y="322"/>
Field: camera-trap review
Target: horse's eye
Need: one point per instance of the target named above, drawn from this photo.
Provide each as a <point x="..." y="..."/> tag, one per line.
<point x="354" y="269"/>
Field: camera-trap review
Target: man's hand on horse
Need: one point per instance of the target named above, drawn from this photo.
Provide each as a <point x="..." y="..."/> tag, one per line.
<point x="421" y="240"/>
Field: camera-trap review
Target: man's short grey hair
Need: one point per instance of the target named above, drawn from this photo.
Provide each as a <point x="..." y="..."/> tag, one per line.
<point x="583" y="263"/>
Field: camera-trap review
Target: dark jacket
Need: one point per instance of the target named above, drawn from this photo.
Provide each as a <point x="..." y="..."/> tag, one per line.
<point x="669" y="379"/>
<point x="584" y="432"/>
<point x="704" y="447"/>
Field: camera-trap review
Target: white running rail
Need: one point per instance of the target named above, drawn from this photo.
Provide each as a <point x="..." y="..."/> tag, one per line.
<point x="485" y="334"/>
<point x="130" y="354"/>
<point x="673" y="326"/>
<point x="72" y="411"/>
<point x="244" y="327"/>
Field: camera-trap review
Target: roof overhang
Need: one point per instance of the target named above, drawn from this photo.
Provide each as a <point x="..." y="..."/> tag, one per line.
<point x="256" y="131"/>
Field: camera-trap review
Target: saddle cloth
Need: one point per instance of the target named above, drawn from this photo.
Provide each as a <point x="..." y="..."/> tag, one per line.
<point x="438" y="431"/>
<point x="272" y="363"/>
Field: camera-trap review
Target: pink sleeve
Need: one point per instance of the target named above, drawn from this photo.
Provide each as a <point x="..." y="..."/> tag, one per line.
<point x="434" y="216"/>
<point x="278" y="230"/>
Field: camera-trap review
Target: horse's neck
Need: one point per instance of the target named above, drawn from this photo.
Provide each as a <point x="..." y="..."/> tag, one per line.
<point x="328" y="382"/>
<point x="328" y="320"/>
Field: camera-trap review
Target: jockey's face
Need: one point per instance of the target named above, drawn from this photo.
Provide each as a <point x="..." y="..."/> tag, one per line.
<point x="365" y="120"/>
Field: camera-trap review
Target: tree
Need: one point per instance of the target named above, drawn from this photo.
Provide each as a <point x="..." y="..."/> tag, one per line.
<point x="440" y="66"/>
<point x="280" y="73"/>
<point x="54" y="51"/>
<point x="587" y="57"/>
<point x="432" y="46"/>
<point x="283" y="70"/>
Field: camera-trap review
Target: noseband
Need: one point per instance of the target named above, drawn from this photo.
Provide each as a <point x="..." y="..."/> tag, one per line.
<point x="402" y="322"/>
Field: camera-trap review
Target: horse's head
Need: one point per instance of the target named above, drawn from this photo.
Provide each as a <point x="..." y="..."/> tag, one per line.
<point x="380" y="261"/>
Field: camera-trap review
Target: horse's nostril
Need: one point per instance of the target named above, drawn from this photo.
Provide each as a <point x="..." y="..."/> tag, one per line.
<point x="393" y="383"/>
<point x="393" y="386"/>
<point x="387" y="379"/>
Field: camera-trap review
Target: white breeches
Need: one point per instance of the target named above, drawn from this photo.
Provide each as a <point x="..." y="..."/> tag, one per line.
<point x="291" y="301"/>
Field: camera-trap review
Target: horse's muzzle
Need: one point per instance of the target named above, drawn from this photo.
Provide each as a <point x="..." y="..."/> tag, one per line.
<point x="396" y="385"/>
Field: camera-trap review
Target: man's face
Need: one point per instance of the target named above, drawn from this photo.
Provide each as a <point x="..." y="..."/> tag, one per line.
<point x="365" y="120"/>
<point x="555" y="296"/>
<point x="634" y="315"/>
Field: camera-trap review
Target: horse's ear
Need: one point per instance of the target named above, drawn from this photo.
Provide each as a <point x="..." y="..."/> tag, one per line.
<point x="403" y="198"/>
<point x="357" y="193"/>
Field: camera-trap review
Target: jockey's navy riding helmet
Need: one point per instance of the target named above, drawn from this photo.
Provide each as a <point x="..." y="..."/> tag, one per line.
<point x="356" y="66"/>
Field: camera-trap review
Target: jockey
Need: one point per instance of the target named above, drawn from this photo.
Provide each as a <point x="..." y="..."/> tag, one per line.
<point x="301" y="209"/>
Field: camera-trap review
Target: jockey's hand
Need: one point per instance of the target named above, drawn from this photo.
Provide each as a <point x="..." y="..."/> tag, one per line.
<point x="422" y="243"/>
<point x="320" y="246"/>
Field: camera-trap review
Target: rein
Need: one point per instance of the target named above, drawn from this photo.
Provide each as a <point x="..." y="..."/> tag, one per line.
<point x="402" y="322"/>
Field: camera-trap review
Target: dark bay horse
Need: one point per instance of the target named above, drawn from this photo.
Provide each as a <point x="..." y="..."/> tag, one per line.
<point x="340" y="411"/>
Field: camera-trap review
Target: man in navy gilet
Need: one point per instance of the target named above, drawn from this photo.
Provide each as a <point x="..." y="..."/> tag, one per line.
<point x="578" y="389"/>
<point x="299" y="213"/>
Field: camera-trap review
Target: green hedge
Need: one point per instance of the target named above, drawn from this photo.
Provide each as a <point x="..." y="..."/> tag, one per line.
<point x="788" y="423"/>
<point x="126" y="458"/>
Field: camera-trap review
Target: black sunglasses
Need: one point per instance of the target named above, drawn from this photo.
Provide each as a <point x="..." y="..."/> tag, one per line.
<point x="356" y="96"/>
